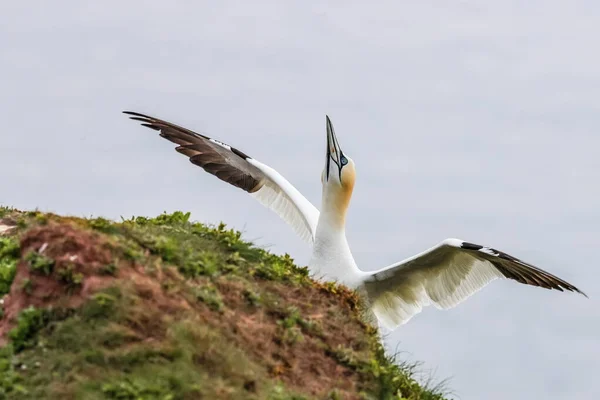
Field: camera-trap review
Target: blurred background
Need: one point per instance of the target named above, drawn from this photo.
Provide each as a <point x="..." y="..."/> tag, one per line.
<point x="465" y="119"/>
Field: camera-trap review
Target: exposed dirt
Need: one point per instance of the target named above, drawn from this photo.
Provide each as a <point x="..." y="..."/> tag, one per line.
<point x="80" y="251"/>
<point x="7" y="225"/>
<point x="304" y="364"/>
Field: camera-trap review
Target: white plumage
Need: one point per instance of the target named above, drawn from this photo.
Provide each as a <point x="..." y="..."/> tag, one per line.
<point x="286" y="201"/>
<point x="421" y="281"/>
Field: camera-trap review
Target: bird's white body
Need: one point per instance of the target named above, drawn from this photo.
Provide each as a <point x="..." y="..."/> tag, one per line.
<point x="442" y="276"/>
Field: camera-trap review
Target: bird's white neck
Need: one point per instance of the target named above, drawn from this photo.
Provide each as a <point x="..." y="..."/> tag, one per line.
<point x="333" y="213"/>
<point x="332" y="258"/>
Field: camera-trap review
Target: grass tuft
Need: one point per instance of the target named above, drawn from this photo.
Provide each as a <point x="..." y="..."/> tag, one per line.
<point x="29" y="323"/>
<point x="39" y="263"/>
<point x="9" y="256"/>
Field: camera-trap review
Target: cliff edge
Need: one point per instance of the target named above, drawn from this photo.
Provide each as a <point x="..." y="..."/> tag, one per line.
<point x="164" y="308"/>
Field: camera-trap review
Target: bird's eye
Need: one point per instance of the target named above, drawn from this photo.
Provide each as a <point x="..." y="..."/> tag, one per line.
<point x="343" y="160"/>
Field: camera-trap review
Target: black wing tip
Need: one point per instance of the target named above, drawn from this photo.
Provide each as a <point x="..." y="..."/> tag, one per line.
<point x="145" y="120"/>
<point x="240" y="153"/>
<point x="151" y="126"/>
<point x="471" y="246"/>
<point x="569" y="288"/>
<point x="142" y="119"/>
<point x="159" y="125"/>
<point x="580" y="292"/>
<point x="561" y="286"/>
<point x="137" y="114"/>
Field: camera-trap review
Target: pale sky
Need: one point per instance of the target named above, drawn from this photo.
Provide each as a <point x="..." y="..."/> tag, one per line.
<point x="475" y="120"/>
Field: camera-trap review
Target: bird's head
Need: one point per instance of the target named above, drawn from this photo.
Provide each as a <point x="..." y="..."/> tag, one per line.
<point x="339" y="174"/>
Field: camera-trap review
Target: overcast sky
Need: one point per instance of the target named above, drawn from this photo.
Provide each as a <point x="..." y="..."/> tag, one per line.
<point x="476" y="120"/>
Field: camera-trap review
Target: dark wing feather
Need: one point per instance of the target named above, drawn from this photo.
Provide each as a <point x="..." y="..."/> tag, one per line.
<point x="231" y="165"/>
<point x="217" y="158"/>
<point x="518" y="270"/>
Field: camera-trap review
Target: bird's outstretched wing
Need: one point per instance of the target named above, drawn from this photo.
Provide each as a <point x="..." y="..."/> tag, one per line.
<point x="238" y="169"/>
<point x="444" y="276"/>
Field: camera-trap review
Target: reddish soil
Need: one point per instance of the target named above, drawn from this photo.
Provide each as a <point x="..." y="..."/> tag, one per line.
<point x="303" y="365"/>
<point x="83" y="252"/>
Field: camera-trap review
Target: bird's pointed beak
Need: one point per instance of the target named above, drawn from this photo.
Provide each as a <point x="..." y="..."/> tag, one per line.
<point x="334" y="151"/>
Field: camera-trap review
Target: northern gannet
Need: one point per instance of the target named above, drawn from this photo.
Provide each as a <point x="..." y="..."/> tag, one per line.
<point x="443" y="275"/>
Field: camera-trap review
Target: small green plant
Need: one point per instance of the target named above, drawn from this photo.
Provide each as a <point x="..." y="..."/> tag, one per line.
<point x="210" y="296"/>
<point x="109" y="269"/>
<point x="102" y="225"/>
<point x="176" y="218"/>
<point x="9" y="256"/>
<point x="4" y="211"/>
<point x="128" y="390"/>
<point x="30" y="321"/>
<point x="68" y="275"/>
<point x="40" y="263"/>
<point x="252" y="298"/>
<point x="41" y="219"/>
<point x="280" y="268"/>
<point x="27" y="286"/>
<point x="22" y="221"/>
<point x="235" y="258"/>
<point x="132" y="253"/>
<point x="166" y="248"/>
<point x="9" y="247"/>
<point x="279" y="392"/>
<point x="101" y="305"/>
<point x="291" y="319"/>
<point x="10" y="380"/>
<point x="291" y="325"/>
<point x="203" y="263"/>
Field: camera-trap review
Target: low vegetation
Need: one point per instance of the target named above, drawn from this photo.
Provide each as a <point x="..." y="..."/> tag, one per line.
<point x="164" y="308"/>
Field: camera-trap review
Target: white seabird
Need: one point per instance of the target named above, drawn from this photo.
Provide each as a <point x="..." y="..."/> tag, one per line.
<point x="443" y="275"/>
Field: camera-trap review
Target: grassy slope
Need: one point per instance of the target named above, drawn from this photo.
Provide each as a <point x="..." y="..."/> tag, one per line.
<point x="163" y="308"/>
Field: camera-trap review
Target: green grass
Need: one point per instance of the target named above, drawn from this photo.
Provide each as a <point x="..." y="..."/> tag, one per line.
<point x="39" y="263"/>
<point x="182" y="311"/>
<point x="9" y="256"/>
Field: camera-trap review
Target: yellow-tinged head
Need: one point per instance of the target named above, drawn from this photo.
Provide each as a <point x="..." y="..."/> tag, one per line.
<point x="338" y="177"/>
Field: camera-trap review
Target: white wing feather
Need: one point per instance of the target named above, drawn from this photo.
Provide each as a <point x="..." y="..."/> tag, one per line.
<point x="443" y="286"/>
<point x="445" y="276"/>
<point x="286" y="201"/>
